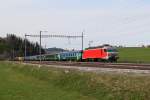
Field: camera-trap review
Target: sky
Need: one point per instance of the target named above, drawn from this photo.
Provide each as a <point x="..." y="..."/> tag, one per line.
<point x="115" y="22"/>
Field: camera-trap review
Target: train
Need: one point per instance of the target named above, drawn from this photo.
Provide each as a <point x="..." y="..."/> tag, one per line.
<point x="98" y="54"/>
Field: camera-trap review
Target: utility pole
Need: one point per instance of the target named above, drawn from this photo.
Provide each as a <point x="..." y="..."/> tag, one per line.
<point x="40" y="51"/>
<point x="40" y="47"/>
<point x="82" y="41"/>
<point x="25" y="54"/>
<point x="13" y="54"/>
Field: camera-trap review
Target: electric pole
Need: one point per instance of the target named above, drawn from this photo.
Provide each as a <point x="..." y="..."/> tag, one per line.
<point x="25" y="54"/>
<point x="82" y="41"/>
<point x="40" y="47"/>
<point x="40" y="51"/>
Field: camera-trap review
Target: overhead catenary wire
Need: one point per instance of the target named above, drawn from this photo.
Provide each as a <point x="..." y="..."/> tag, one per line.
<point x="52" y="36"/>
<point x="56" y="36"/>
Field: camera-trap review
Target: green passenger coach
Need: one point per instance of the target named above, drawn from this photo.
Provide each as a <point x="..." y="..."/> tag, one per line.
<point x="70" y="56"/>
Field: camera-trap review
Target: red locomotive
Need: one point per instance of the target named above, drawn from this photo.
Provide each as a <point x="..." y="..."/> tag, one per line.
<point x="105" y="53"/>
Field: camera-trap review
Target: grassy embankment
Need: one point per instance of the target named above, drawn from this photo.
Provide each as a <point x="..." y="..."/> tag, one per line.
<point x="22" y="82"/>
<point x="136" y="55"/>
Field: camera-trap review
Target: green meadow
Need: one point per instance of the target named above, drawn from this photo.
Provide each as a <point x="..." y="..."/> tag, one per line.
<point x="135" y="55"/>
<point x="24" y="82"/>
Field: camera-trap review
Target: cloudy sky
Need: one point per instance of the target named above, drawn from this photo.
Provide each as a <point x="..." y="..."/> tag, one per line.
<point x="116" y="22"/>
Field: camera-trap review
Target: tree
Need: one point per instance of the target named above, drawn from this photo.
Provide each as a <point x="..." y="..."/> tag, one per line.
<point x="15" y="47"/>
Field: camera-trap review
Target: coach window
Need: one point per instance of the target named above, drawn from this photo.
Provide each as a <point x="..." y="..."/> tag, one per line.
<point x="105" y="50"/>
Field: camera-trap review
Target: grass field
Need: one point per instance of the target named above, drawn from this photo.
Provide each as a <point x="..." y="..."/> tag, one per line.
<point x="138" y="55"/>
<point x="22" y="82"/>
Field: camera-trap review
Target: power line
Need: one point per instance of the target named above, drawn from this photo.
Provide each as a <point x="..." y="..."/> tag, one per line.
<point x="52" y="36"/>
<point x="55" y="36"/>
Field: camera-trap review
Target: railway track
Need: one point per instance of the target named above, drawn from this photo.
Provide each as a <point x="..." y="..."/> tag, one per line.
<point x="133" y="66"/>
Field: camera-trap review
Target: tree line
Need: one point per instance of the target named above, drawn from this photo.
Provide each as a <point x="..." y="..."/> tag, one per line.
<point x="13" y="46"/>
